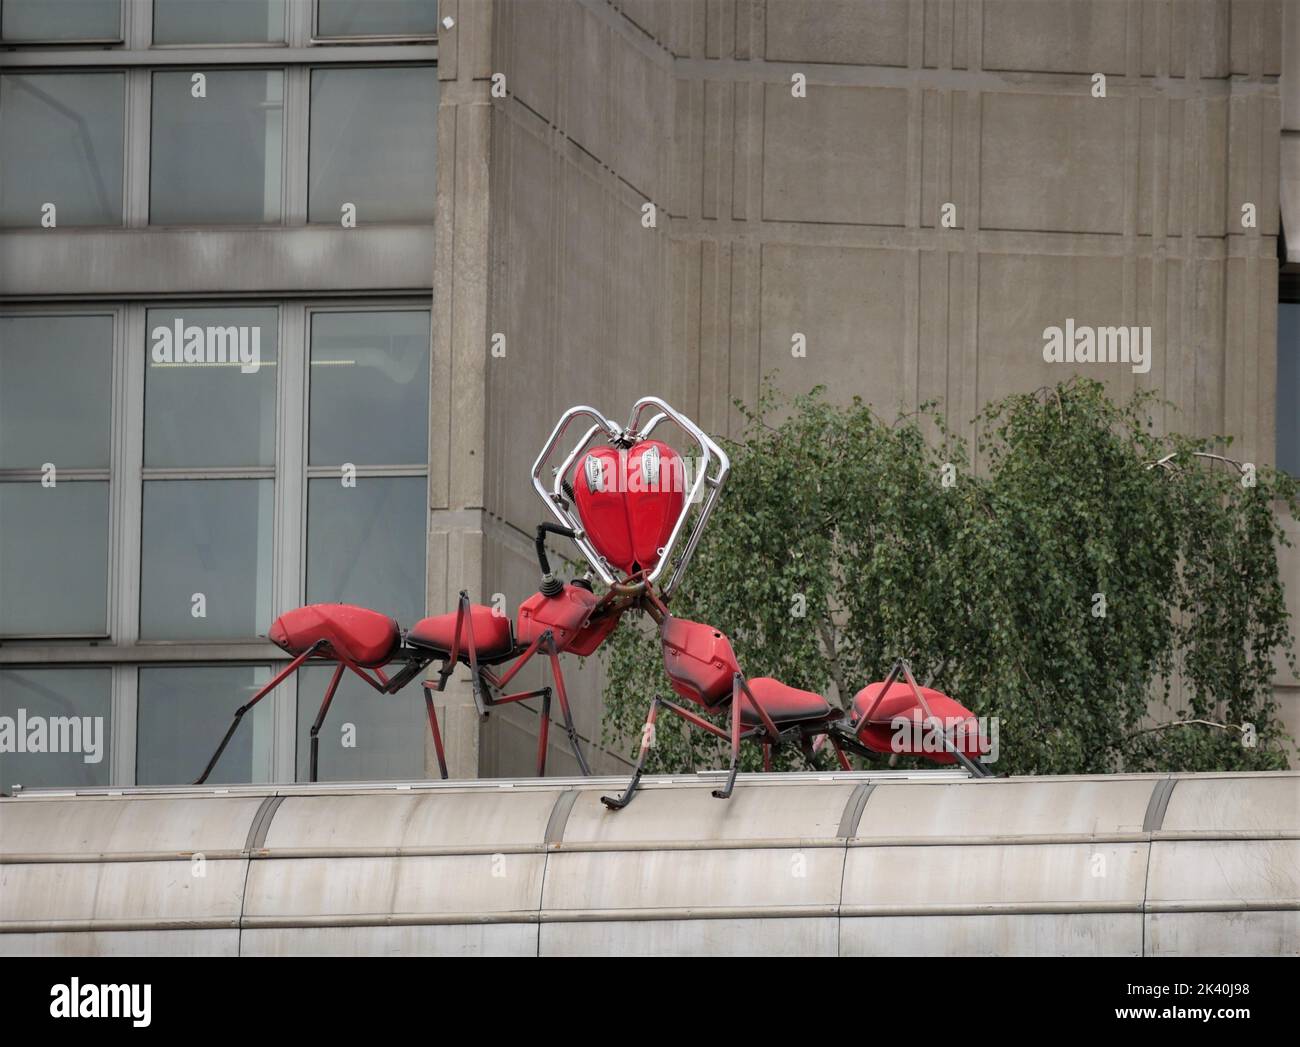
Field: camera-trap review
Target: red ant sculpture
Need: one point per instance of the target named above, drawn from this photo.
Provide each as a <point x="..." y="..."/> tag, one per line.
<point x="625" y="504"/>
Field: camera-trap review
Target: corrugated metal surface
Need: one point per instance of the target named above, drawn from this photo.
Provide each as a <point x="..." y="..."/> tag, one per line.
<point x="846" y="864"/>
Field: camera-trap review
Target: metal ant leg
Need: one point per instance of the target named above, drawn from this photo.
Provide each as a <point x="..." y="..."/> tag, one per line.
<point x="563" y="695"/>
<point x="725" y="792"/>
<point x="543" y="732"/>
<point x="320" y="717"/>
<point x="433" y="727"/>
<point x="647" y="740"/>
<point x="287" y="671"/>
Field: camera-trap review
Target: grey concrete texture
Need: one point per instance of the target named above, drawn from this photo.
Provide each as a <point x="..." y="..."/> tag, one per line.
<point x="820" y="215"/>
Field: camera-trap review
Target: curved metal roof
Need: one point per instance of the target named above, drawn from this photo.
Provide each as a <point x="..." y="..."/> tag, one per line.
<point x="848" y="863"/>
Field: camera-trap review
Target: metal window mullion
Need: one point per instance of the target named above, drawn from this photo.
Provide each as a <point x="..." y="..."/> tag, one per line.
<point x="128" y="478"/>
<point x="215" y="56"/>
<point x="124" y="532"/>
<point x="334" y="472"/>
<point x="70" y="474"/>
<point x="136" y="147"/>
<point x="297" y="104"/>
<point x="290" y="434"/>
<point x="137" y="24"/>
<point x="119" y="423"/>
<point x="301" y="15"/>
<point x="235" y="472"/>
<point x="122" y="729"/>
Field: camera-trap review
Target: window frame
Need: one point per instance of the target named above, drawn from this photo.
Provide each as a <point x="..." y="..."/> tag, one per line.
<point x="113" y="705"/>
<point x="286" y="22"/>
<point x="295" y="141"/>
<point x="136" y="55"/>
<point x="317" y="37"/>
<point x="125" y="201"/>
<point x="1288" y="293"/>
<point x="123" y="28"/>
<point x="108" y="474"/>
<point x="276" y="714"/>
<point x="122" y="649"/>
<point x="287" y="142"/>
<point x="306" y="136"/>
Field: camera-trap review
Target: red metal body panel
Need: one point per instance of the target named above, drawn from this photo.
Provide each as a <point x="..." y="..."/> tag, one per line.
<point x="878" y="733"/>
<point x="592" y="635"/>
<point x="492" y="639"/>
<point x="699" y="661"/>
<point x="564" y="614"/>
<point x="362" y="636"/>
<point x="598" y="493"/>
<point x="629" y="501"/>
<point x="784" y="704"/>
<point x="656" y="492"/>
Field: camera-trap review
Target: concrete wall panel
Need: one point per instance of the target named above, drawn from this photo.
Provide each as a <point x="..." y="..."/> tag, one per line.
<point x="1052" y="163"/>
<point x="838" y="155"/>
<point x="1063" y="36"/>
<point x="844" y="31"/>
<point x="1012" y="318"/>
<point x="821" y="214"/>
<point x="848" y="302"/>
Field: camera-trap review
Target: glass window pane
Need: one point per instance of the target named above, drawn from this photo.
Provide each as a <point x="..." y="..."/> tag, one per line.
<point x="377" y="17"/>
<point x="55" y="372"/>
<point x="58" y="720"/>
<point x="41" y="20"/>
<point x="211" y="538"/>
<point x="366" y="544"/>
<point x="54" y="559"/>
<point x="210" y="387"/>
<point x="217" y="21"/>
<point x="369" y="388"/>
<point x="183" y="713"/>
<point x="61" y="139"/>
<point x="1288" y="387"/>
<point x="218" y="158"/>
<point x="386" y="735"/>
<point x="372" y="144"/>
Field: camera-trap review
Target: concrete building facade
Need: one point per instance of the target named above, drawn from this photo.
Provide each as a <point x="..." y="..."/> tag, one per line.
<point x="658" y="197"/>
<point x="919" y="189"/>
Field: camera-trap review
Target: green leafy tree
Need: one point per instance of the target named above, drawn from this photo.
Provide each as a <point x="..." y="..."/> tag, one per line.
<point x="1090" y="568"/>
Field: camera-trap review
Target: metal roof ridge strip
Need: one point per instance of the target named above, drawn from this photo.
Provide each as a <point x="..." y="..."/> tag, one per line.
<point x="632" y="846"/>
<point x="998" y="840"/>
<point x="1158" y="804"/>
<point x="90" y="926"/>
<point x="124" y="857"/>
<point x="645" y="914"/>
<point x="556" y="784"/>
<point x="261" y="822"/>
<point x="417" y="851"/>
<point x="1224" y="905"/>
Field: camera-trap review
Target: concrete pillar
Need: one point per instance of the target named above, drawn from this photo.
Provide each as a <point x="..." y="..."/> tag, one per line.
<point x="456" y="430"/>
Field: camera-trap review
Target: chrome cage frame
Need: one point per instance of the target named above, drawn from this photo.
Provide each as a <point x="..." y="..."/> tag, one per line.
<point x="710" y="455"/>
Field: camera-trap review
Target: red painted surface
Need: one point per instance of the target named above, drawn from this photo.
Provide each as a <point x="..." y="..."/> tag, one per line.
<point x="629" y="501"/>
<point x="362" y="636"/>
